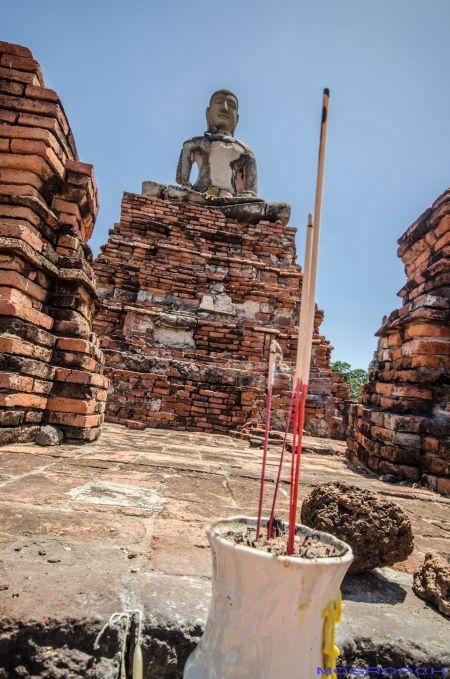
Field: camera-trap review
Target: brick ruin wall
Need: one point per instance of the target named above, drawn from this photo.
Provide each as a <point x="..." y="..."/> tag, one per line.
<point x="50" y="362"/>
<point x="401" y="425"/>
<point x="190" y="301"/>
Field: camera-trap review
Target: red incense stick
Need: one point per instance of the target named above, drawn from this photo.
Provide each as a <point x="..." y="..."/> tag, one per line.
<point x="263" y="470"/>
<point x="280" y="467"/>
<point x="274" y="350"/>
<point x="298" y="455"/>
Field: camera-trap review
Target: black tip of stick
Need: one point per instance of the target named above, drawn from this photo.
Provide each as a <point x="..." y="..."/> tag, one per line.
<point x="326" y="91"/>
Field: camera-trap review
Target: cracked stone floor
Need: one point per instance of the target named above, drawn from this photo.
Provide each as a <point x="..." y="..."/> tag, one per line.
<point x="88" y="530"/>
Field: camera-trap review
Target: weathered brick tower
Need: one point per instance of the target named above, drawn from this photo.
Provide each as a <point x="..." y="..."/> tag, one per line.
<point x="401" y="424"/>
<point x="50" y="363"/>
<point x="190" y="300"/>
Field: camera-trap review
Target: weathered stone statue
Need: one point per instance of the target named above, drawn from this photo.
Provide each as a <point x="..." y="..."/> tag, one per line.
<point x="226" y="166"/>
<point x="227" y="175"/>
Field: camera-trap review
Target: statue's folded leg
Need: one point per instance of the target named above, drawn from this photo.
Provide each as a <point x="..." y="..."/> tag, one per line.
<point x="171" y="192"/>
<point x="252" y="213"/>
<point x="154" y="189"/>
<point x="250" y="210"/>
<point x="278" y="211"/>
<point x="185" y="195"/>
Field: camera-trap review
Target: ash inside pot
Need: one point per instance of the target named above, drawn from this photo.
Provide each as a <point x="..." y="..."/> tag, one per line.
<point x="307" y="544"/>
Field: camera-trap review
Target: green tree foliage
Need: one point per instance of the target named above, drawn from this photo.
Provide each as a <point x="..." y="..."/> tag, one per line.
<point x="354" y="378"/>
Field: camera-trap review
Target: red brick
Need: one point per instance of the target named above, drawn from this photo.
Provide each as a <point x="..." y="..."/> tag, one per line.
<point x="14" y="132"/>
<point x="72" y="405"/>
<point x="18" y="76"/>
<point x="12" y="345"/>
<point x="23" y="400"/>
<point x="38" y="148"/>
<point x="443" y="486"/>
<point x="29" y="163"/>
<point x="74" y="344"/>
<point x="7" y="116"/>
<point x="8" y="308"/>
<point x="132" y="424"/>
<point x="426" y="347"/>
<point x="432" y="362"/>
<point x="442" y="242"/>
<point x="81" y="377"/>
<point x="16" y="280"/>
<point x="16" y="50"/>
<point x="20" y="63"/>
<point x="427" y="330"/>
<point x="11" y="87"/>
<point x="41" y="93"/>
<point x="42" y="387"/>
<point x="81" y="168"/>
<point x="74" y="420"/>
<point x="16" y="382"/>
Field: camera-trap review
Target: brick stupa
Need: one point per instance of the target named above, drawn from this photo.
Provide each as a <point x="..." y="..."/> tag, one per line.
<point x="190" y="301"/>
<point x="50" y="362"/>
<point x="401" y="425"/>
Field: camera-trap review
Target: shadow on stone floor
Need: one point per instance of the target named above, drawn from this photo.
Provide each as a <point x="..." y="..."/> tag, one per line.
<point x="373" y="588"/>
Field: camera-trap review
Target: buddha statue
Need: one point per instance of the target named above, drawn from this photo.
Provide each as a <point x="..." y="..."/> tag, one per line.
<point x="227" y="175"/>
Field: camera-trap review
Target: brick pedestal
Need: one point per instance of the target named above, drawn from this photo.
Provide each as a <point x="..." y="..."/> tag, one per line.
<point x="50" y="362"/>
<point x="190" y="301"/>
<point x="401" y="424"/>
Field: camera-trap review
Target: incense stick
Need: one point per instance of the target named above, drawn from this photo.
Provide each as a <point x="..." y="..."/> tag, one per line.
<point x="306" y="329"/>
<point x="274" y="350"/>
<point x="303" y="361"/>
<point x="280" y="466"/>
<point x="301" y="344"/>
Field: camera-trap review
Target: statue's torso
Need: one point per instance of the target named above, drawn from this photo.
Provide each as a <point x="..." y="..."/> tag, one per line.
<point x="221" y="161"/>
<point x="227" y="180"/>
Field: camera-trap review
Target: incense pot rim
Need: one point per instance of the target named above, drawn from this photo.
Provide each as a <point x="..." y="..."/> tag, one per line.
<point x="346" y="555"/>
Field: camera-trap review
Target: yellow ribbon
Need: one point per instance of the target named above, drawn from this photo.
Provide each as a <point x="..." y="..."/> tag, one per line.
<point x="332" y="615"/>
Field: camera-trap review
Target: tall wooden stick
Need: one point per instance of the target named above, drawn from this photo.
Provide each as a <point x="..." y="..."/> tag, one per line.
<point x="305" y="299"/>
<point x="316" y="239"/>
<point x="297" y="396"/>
<point x="304" y="354"/>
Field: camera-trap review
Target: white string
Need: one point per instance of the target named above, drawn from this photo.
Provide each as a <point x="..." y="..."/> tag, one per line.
<point x="114" y="620"/>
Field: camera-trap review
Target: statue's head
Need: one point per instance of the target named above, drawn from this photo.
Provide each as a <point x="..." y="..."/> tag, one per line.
<point x="222" y="111"/>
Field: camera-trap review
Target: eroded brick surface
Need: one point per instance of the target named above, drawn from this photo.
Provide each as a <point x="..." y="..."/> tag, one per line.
<point x="190" y="301"/>
<point x="401" y="425"/>
<point x="48" y="206"/>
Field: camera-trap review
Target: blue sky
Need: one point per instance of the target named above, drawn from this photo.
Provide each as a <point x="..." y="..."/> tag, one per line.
<point x="135" y="78"/>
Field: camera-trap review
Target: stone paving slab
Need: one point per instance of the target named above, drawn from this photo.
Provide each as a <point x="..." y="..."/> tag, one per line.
<point x="119" y="523"/>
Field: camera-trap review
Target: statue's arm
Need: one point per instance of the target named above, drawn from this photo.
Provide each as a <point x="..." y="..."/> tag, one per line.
<point x="250" y="174"/>
<point x="185" y="165"/>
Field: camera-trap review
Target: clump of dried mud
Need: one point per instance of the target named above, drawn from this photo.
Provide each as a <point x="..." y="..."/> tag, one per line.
<point x="378" y="531"/>
<point x="432" y="582"/>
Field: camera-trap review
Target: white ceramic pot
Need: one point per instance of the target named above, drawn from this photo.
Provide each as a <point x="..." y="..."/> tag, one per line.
<point x="266" y="619"/>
